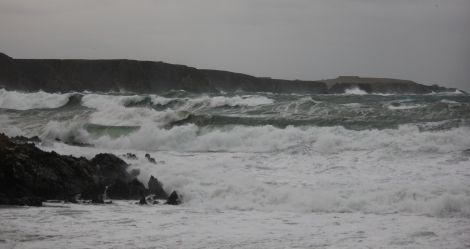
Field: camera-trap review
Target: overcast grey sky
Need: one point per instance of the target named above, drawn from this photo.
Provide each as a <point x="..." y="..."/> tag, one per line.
<point x="427" y="41"/>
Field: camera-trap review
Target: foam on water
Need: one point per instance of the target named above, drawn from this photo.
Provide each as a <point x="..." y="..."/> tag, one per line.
<point x="329" y="140"/>
<point x="246" y="100"/>
<point x="8" y="127"/>
<point x="111" y="110"/>
<point x="24" y="101"/>
<point x="403" y="107"/>
<point x="354" y="91"/>
<point x="322" y="183"/>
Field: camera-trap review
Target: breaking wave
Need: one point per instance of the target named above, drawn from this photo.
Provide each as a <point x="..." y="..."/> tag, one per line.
<point x="25" y="101"/>
<point x="355" y="91"/>
<point x="271" y="152"/>
<point x="309" y="140"/>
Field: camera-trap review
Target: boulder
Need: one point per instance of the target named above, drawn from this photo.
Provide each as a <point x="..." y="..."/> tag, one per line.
<point x="110" y="168"/>
<point x="174" y="199"/>
<point x="131" y="156"/>
<point x="135" y="172"/>
<point x="142" y="200"/>
<point x="118" y="190"/>
<point x="151" y="159"/>
<point x="132" y="190"/>
<point x="155" y="187"/>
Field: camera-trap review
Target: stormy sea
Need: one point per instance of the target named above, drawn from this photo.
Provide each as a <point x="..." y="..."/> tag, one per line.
<point x="255" y="170"/>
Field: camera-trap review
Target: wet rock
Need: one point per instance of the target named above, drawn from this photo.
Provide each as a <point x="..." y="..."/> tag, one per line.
<point x="151" y="159"/>
<point x="174" y="199"/>
<point x="152" y="199"/>
<point x="27" y="201"/>
<point x="143" y="201"/>
<point x="118" y="190"/>
<point x="135" y="172"/>
<point x="155" y="187"/>
<point x="137" y="189"/>
<point x="28" y="175"/>
<point x="110" y="168"/>
<point x="131" y="156"/>
<point x="97" y="199"/>
<point x="24" y="140"/>
<point x="26" y="171"/>
<point x="132" y="190"/>
<point x="74" y="142"/>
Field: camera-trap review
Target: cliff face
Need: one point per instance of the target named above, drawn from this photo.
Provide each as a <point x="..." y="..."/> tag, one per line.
<point x="55" y="75"/>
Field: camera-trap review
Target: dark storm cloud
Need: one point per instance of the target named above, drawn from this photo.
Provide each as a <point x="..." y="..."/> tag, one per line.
<point x="422" y="40"/>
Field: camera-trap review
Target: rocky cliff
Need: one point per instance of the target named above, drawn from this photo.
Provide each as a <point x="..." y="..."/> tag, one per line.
<point x="54" y="75"/>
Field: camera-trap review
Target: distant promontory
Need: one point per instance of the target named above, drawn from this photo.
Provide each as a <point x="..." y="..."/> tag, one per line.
<point x="56" y="75"/>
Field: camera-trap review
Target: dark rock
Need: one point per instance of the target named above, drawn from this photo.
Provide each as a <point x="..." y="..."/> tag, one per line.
<point x="118" y="190"/>
<point x="174" y="199"/>
<point x="152" y="199"/>
<point x="73" y="141"/>
<point x="135" y="172"/>
<point x="130" y="156"/>
<point x="110" y="168"/>
<point x="155" y="187"/>
<point x="97" y="199"/>
<point x="27" y="201"/>
<point x="26" y="171"/>
<point x="132" y="190"/>
<point x="137" y="189"/>
<point x="143" y="201"/>
<point x="24" y="140"/>
<point x="151" y="159"/>
<point x="28" y="175"/>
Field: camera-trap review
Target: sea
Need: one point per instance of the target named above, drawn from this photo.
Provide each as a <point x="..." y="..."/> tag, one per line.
<point x="255" y="170"/>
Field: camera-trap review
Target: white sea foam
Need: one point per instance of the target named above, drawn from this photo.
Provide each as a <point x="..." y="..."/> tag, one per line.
<point x="404" y="107"/>
<point x="24" y="101"/>
<point x="262" y="187"/>
<point x="447" y="101"/>
<point x="353" y="105"/>
<point x="159" y="100"/>
<point x="312" y="140"/>
<point x="218" y="101"/>
<point x="240" y="101"/>
<point x="354" y="91"/>
<point x="8" y="128"/>
<point x="111" y="110"/>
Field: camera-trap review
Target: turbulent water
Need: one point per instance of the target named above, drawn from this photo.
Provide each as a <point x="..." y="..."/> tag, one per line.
<point x="257" y="170"/>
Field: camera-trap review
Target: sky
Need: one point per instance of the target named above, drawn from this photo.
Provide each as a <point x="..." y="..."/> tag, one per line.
<point x="427" y="41"/>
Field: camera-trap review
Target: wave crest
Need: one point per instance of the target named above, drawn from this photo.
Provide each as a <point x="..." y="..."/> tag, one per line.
<point x="26" y="101"/>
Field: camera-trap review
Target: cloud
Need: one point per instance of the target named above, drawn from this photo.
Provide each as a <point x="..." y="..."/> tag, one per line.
<point x="422" y="40"/>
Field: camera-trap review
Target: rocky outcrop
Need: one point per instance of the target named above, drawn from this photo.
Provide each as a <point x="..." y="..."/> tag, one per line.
<point x="174" y="199"/>
<point x="29" y="175"/>
<point x="155" y="187"/>
<point x="26" y="171"/>
<point x="380" y="85"/>
<point x="56" y="75"/>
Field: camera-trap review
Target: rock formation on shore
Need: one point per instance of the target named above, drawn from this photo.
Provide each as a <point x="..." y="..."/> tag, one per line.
<point x="29" y="176"/>
<point x="55" y="75"/>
